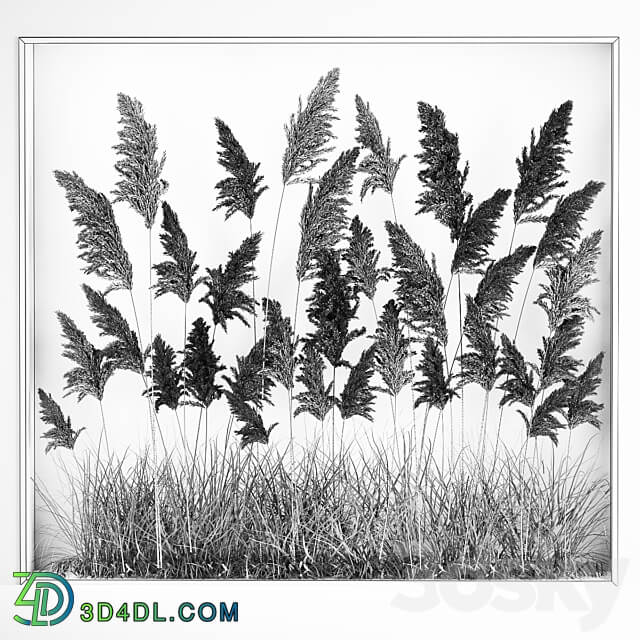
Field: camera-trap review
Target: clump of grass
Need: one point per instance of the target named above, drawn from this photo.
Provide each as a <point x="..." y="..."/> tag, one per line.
<point x="373" y="514"/>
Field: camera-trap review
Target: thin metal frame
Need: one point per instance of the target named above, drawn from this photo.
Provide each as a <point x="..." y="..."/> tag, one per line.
<point x="27" y="249"/>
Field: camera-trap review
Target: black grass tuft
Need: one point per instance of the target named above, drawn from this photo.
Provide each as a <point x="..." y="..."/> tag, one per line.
<point x="323" y="219"/>
<point x="178" y="274"/>
<point x="94" y="367"/>
<point x="61" y="434"/>
<point x="379" y="166"/>
<point x="225" y="297"/>
<point x="241" y="190"/>
<point x="141" y="185"/>
<point x="309" y="130"/>
<point x="99" y="238"/>
<point x="124" y="351"/>
<point x="541" y="166"/>
<point x="442" y="180"/>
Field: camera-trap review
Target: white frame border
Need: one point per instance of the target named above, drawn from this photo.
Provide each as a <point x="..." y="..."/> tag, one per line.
<point x="26" y="252"/>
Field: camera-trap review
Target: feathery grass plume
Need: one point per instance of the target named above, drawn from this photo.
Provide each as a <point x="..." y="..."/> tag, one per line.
<point x="124" y="351"/>
<point x="94" y="367"/>
<point x="547" y="417"/>
<point x="562" y="230"/>
<point x="566" y="311"/>
<point x="225" y="297"/>
<point x="480" y="363"/>
<point x="433" y="388"/>
<point x="392" y="350"/>
<point x="542" y="165"/>
<point x="317" y="400"/>
<point x="555" y="364"/>
<point x="358" y="395"/>
<point x="201" y="366"/>
<point x="177" y="275"/>
<point x="380" y="167"/>
<point x="561" y="298"/>
<point x="250" y="385"/>
<point x="309" y="131"/>
<point x="495" y="290"/>
<point x="443" y="182"/>
<point x="362" y="258"/>
<point x="281" y="345"/>
<point x="333" y="304"/>
<point x="249" y="382"/>
<point x="61" y="435"/>
<point x="518" y="385"/>
<point x="323" y="218"/>
<point x="99" y="237"/>
<point x="141" y="185"/>
<point x="167" y="382"/>
<point x="252" y="431"/>
<point x="478" y="233"/>
<point x="419" y="289"/>
<point x="241" y="190"/>
<point x="581" y="410"/>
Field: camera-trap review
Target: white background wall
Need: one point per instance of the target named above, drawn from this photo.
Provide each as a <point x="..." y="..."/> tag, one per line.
<point x="483" y="604"/>
<point x="486" y="92"/>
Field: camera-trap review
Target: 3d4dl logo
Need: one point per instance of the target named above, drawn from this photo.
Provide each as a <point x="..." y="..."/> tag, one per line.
<point x="49" y="595"/>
